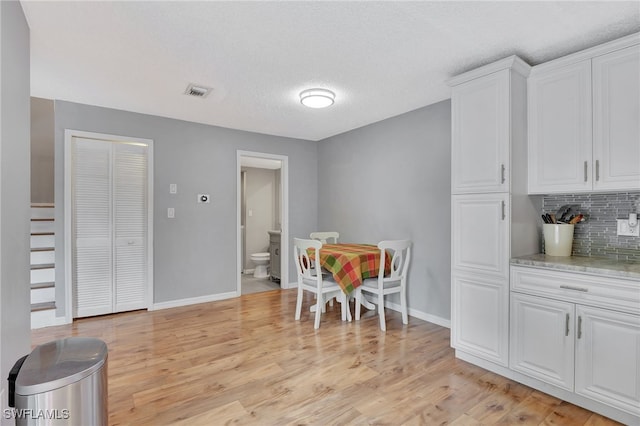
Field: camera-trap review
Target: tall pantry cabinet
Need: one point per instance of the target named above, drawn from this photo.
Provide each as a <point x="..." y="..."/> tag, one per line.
<point x="492" y="217"/>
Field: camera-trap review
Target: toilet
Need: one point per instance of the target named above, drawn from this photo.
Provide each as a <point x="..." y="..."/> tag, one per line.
<point x="261" y="260"/>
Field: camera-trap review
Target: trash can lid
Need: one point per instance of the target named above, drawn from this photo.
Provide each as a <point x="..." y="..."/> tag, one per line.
<point x="60" y="363"/>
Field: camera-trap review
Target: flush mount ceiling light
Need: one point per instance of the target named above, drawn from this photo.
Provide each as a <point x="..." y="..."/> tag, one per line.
<point x="317" y="98"/>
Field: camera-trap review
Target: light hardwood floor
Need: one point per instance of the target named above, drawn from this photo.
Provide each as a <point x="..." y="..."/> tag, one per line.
<point x="246" y="361"/>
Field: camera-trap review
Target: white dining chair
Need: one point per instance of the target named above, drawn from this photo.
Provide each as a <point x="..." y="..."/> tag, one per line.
<point x="322" y="286"/>
<point x="395" y="282"/>
<point x="325" y="237"/>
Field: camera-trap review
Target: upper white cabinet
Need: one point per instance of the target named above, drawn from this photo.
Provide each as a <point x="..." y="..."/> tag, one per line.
<point x="560" y="129"/>
<point x="616" y="120"/>
<point x="487" y="117"/>
<point x="584" y="127"/>
<point x="480" y="139"/>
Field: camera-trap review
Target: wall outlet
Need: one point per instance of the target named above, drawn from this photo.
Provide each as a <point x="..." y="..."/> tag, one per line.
<point x="204" y="198"/>
<point x="171" y="213"/>
<point x="628" y="231"/>
<point x="173" y="188"/>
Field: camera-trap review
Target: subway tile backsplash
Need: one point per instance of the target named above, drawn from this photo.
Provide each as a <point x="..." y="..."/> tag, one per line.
<point x="597" y="236"/>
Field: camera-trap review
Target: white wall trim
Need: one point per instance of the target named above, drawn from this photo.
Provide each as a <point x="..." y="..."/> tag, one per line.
<point x="69" y="134"/>
<point x="442" y="322"/>
<point x="284" y="211"/>
<point x="193" y="301"/>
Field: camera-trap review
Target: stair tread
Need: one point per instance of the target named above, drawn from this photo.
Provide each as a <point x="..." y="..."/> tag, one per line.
<point x="42" y="233"/>
<point x="48" y="284"/>
<point x="42" y="306"/>
<point x="43" y="266"/>
<point x="43" y="248"/>
<point x="42" y="219"/>
<point x="42" y="205"/>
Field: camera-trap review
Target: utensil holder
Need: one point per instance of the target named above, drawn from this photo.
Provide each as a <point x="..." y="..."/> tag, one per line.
<point x="558" y="238"/>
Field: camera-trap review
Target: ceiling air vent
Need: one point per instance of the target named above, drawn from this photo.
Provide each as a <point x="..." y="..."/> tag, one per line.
<point x="197" y="90"/>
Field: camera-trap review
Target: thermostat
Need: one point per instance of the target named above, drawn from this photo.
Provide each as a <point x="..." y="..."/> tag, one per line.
<point x="204" y="198"/>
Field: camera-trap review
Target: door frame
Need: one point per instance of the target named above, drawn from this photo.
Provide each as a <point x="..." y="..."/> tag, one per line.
<point x="69" y="134"/>
<point x="284" y="211"/>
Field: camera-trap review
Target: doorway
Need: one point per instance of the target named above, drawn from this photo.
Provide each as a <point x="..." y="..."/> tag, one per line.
<point x="262" y="223"/>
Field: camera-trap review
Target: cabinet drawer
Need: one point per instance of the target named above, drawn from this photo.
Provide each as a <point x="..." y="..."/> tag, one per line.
<point x="613" y="293"/>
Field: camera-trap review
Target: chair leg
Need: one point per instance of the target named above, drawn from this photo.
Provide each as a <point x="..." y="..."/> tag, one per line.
<point x="358" y="303"/>
<point x="299" y="304"/>
<point x="383" y="325"/>
<point x="316" y="324"/>
<point x="343" y="306"/>
<point x="403" y="305"/>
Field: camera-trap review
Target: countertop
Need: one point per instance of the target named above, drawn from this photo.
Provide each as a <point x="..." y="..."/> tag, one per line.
<point x="589" y="265"/>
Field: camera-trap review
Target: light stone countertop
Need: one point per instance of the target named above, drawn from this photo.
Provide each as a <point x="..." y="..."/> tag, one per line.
<point x="591" y="265"/>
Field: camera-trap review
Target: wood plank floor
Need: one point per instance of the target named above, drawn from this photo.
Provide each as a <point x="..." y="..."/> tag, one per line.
<point x="246" y="361"/>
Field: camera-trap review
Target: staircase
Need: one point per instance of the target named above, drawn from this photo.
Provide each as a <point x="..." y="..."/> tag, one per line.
<point x="43" y="268"/>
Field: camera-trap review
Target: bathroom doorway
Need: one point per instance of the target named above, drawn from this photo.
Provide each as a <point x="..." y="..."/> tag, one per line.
<point x="262" y="222"/>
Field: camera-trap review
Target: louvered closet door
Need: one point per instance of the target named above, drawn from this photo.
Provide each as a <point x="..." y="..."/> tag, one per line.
<point x="130" y="220"/>
<point x="92" y="229"/>
<point x="109" y="200"/>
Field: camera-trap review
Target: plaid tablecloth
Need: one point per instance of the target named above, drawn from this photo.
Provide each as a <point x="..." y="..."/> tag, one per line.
<point x="351" y="263"/>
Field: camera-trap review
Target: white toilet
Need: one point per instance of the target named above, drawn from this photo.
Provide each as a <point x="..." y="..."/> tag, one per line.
<point x="261" y="260"/>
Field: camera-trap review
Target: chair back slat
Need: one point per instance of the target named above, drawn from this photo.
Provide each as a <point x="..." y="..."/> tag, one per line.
<point x="325" y="237"/>
<point x="304" y="262"/>
<point x="400" y="252"/>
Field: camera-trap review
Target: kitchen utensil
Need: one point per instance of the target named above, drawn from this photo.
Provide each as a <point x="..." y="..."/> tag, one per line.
<point x="565" y="215"/>
<point x="552" y="216"/>
<point x="576" y="219"/>
<point x="544" y="218"/>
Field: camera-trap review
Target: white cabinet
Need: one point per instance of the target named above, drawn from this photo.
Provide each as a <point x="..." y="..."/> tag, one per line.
<point x="480" y="233"/>
<point x="488" y="166"/>
<point x="616" y="120"/>
<point x="480" y="137"/>
<point x="584" y="132"/>
<point x="560" y="129"/>
<point x="542" y="339"/>
<point x="608" y="357"/>
<point x="571" y="339"/>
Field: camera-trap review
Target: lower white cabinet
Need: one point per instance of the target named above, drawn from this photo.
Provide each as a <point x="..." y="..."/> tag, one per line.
<point x="542" y="339"/>
<point x="480" y="325"/>
<point x="592" y="351"/>
<point x="608" y="357"/>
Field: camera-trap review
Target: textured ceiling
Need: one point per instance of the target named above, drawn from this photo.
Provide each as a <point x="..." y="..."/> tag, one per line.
<point x="380" y="58"/>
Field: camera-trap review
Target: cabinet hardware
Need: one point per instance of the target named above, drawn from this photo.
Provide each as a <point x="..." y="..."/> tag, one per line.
<point x="597" y="170"/>
<point x="502" y="178"/>
<point x="568" y="287"/>
<point x="579" y="326"/>
<point x="504" y="215"/>
<point x="566" y="326"/>
<point x="585" y="171"/>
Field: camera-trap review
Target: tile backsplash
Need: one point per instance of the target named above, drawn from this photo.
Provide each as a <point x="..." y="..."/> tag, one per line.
<point x="597" y="235"/>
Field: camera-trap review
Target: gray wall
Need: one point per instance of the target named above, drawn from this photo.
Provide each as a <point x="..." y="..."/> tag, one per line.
<point x="391" y="180"/>
<point x="42" y="147"/>
<point x="15" y="338"/>
<point x="195" y="253"/>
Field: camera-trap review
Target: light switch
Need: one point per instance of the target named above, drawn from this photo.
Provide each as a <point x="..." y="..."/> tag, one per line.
<point x="173" y="188"/>
<point x="250" y="212"/>
<point x="171" y="213"/>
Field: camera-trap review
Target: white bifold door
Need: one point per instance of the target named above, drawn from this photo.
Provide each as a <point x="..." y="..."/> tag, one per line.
<point x="110" y="206"/>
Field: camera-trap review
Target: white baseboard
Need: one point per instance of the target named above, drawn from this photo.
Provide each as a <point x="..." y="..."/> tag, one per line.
<point x="193" y="300"/>
<point x="442" y="322"/>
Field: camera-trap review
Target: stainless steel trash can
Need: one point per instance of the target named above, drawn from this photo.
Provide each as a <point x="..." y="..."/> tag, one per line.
<point x="63" y="382"/>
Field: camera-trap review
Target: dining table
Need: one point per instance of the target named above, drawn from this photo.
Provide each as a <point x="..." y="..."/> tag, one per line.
<point x="350" y="264"/>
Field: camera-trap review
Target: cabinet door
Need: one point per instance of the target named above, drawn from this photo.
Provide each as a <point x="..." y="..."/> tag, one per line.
<point x="608" y="357"/>
<point x="542" y="333"/>
<point x="480" y="233"/>
<point x="480" y="317"/>
<point x="560" y="134"/>
<point x="616" y="120"/>
<point x="480" y="137"/>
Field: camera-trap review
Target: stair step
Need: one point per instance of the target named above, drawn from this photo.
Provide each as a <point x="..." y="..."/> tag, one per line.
<point x="34" y="234"/>
<point x="42" y="219"/>
<point x="42" y="306"/>
<point x="42" y="226"/>
<point x="43" y="266"/>
<point x="47" y="284"/>
<point x="43" y="241"/>
<point x="43" y="295"/>
<point x="43" y="275"/>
